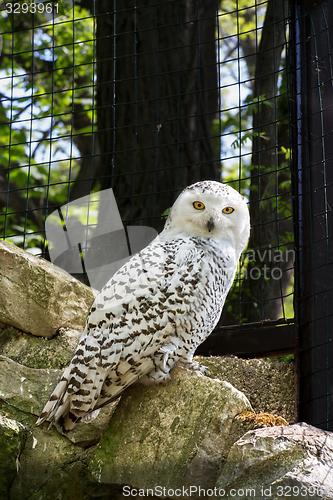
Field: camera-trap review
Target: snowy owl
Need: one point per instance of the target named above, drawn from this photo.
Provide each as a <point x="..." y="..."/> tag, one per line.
<point x="159" y="307"/>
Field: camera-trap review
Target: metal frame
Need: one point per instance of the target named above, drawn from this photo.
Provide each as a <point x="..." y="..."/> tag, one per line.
<point x="313" y="188"/>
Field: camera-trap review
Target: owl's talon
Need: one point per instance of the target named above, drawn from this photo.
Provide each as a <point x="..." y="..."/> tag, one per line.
<point x="156" y="377"/>
<point x="195" y="367"/>
<point x="89" y="417"/>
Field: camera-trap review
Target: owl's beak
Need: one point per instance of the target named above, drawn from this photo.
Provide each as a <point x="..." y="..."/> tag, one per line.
<point x="210" y="224"/>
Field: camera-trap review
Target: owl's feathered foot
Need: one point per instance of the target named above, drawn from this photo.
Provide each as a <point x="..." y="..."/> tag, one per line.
<point x="194" y="366"/>
<point x="89" y="417"/>
<point x="155" y="377"/>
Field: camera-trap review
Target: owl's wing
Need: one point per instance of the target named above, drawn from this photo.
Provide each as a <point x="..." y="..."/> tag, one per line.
<point x="132" y="317"/>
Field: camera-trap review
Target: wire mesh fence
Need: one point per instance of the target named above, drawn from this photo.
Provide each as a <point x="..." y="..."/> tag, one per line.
<point x="146" y="98"/>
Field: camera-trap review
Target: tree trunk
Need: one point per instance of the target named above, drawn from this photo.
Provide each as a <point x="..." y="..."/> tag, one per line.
<point x="157" y="98"/>
<point x="270" y="200"/>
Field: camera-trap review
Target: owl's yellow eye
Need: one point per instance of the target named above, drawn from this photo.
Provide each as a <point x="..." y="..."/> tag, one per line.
<point x="198" y="205"/>
<point x="228" y="210"/>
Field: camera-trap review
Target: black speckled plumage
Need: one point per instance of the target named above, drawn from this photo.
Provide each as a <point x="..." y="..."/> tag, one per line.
<point x="158" y="307"/>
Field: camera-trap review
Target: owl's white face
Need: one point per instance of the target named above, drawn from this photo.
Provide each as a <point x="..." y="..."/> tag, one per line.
<point x="214" y="210"/>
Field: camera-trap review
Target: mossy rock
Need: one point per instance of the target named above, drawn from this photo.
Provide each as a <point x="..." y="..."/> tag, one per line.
<point x="47" y="466"/>
<point x="31" y="292"/>
<point x="279" y="462"/>
<point x="174" y="435"/>
<point x="268" y="383"/>
<point x="38" y="352"/>
<point x="12" y="440"/>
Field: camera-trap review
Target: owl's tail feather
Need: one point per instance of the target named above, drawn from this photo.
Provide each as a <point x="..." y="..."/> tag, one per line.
<point x="74" y="396"/>
<point x="104" y="392"/>
<point x="57" y="401"/>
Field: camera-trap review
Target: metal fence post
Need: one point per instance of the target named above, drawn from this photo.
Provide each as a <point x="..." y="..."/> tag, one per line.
<point x="313" y="188"/>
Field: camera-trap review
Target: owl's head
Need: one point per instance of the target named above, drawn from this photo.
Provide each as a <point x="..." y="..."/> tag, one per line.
<point x="210" y="209"/>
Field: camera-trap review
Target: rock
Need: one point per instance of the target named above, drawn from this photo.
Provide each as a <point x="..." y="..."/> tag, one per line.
<point x="88" y="433"/>
<point x="269" y="384"/>
<point x="12" y="439"/>
<point x="294" y="461"/>
<point x="28" y="389"/>
<point x="174" y="435"/>
<point x="38" y="297"/>
<point x="38" y="352"/>
<point x="62" y="473"/>
<point x="50" y="466"/>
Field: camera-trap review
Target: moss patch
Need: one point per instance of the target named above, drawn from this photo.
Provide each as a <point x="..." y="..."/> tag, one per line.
<point x="12" y="439"/>
<point x="269" y="384"/>
<point x="157" y="432"/>
<point x="36" y="352"/>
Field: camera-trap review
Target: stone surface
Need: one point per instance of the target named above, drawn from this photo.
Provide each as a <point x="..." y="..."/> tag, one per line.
<point x="171" y="435"/>
<point x="38" y="352"/>
<point x="12" y="440"/>
<point x="187" y="432"/>
<point x="49" y="466"/>
<point x="61" y="475"/>
<point x="294" y="461"/>
<point x="38" y="297"/>
<point x="176" y="432"/>
<point x="24" y="388"/>
<point x="268" y="383"/>
<point x="27" y="390"/>
<point x="175" y="435"/>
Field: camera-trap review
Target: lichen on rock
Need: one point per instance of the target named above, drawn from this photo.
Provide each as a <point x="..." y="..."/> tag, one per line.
<point x="31" y="292"/>
<point x="173" y="435"/>
<point x="12" y="440"/>
<point x="294" y="461"/>
<point x="38" y="352"/>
